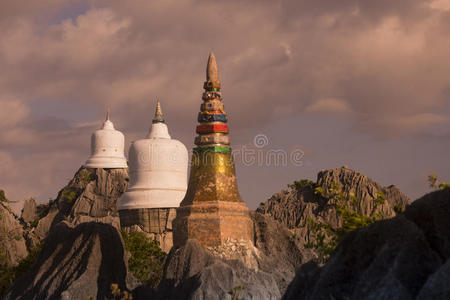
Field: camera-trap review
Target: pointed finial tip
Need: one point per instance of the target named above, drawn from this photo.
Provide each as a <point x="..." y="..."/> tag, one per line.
<point x="212" y="73"/>
<point x="159" y="118"/>
<point x="107" y="113"/>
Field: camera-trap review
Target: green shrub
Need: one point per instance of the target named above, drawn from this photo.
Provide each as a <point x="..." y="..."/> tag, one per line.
<point x="436" y="184"/>
<point x="399" y="208"/>
<point x="85" y="176"/>
<point x="34" y="223"/>
<point x="9" y="274"/>
<point x="236" y="291"/>
<point x="147" y="258"/>
<point x="3" y="196"/>
<point x="116" y="293"/>
<point x="301" y="184"/>
<point x="324" y="236"/>
<point x="68" y="195"/>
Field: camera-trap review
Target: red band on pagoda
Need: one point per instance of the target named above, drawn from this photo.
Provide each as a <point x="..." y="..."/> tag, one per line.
<point x="211" y="128"/>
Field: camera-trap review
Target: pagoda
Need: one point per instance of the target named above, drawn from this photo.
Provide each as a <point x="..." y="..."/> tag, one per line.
<point x="158" y="183"/>
<point x="212" y="211"/>
<point x="107" y="148"/>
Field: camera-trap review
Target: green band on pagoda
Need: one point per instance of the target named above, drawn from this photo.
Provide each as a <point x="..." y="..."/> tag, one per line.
<point x="217" y="149"/>
<point x="213" y="89"/>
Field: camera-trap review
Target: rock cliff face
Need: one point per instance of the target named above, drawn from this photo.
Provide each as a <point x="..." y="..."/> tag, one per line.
<point x="191" y="272"/>
<point x="29" y="211"/>
<point x="75" y="263"/>
<point x="91" y="196"/>
<point x="155" y="223"/>
<point x="12" y="240"/>
<point x="294" y="208"/>
<point x="407" y="257"/>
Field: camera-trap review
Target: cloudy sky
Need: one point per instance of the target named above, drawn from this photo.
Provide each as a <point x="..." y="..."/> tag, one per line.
<point x="360" y="83"/>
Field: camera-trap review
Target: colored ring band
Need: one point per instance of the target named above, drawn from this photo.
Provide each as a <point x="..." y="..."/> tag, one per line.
<point x="211" y="118"/>
<point x="217" y="149"/>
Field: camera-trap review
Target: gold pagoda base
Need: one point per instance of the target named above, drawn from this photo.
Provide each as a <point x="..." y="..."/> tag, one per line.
<point x="212" y="178"/>
<point x="211" y="223"/>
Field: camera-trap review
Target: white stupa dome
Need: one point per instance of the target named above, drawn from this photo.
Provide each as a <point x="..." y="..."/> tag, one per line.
<point x="158" y="169"/>
<point x="107" y="148"/>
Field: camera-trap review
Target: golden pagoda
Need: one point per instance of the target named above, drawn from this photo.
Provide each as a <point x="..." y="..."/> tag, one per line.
<point x="212" y="210"/>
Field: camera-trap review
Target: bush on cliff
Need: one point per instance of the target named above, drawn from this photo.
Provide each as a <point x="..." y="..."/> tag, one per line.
<point x="326" y="237"/>
<point x="9" y="274"/>
<point x="3" y="196"/>
<point x="147" y="258"/>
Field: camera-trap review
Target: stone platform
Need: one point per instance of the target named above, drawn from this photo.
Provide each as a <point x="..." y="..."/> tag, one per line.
<point x="156" y="223"/>
<point x="212" y="223"/>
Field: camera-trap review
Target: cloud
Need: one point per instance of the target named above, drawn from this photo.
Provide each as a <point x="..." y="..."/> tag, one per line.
<point x="330" y="105"/>
<point x="383" y="61"/>
<point x="13" y="111"/>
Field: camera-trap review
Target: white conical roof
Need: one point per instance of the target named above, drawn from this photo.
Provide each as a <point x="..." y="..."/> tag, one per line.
<point x="107" y="148"/>
<point x="158" y="169"/>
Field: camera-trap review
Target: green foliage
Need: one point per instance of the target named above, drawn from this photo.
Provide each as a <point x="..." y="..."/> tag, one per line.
<point x="324" y="236"/>
<point x="433" y="181"/>
<point x="236" y="291"/>
<point x="69" y="195"/>
<point x="3" y="196"/>
<point x="147" y="258"/>
<point x="44" y="209"/>
<point x="34" y="223"/>
<point x="399" y="208"/>
<point x="301" y="184"/>
<point x="9" y="274"/>
<point x="85" y="176"/>
<point x="117" y="293"/>
<point x="435" y="184"/>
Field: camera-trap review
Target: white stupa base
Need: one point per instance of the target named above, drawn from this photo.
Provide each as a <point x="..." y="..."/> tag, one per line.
<point x="151" y="198"/>
<point x="106" y="162"/>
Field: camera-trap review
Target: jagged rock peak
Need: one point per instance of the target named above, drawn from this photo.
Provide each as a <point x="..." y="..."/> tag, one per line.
<point x="12" y="241"/>
<point x="91" y="195"/>
<point x="29" y="210"/>
<point x="406" y="257"/>
<point x="296" y="206"/>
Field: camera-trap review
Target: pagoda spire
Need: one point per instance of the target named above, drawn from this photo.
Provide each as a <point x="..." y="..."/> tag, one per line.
<point x="107" y="113"/>
<point x="212" y="210"/>
<point x="212" y="73"/>
<point x="159" y="118"/>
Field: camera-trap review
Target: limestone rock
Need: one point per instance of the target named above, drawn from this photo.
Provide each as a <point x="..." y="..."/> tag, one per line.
<point x="75" y="263"/>
<point x="406" y="257"/>
<point x="12" y="241"/>
<point x="155" y="223"/>
<point x="91" y="196"/>
<point x="29" y="211"/>
<point x="293" y="208"/>
<point x="192" y="272"/>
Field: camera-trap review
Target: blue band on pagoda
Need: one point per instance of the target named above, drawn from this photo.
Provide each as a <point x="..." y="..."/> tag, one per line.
<point x="212" y="118"/>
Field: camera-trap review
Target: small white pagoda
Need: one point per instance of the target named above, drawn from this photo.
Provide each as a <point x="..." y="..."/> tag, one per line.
<point x="107" y="148"/>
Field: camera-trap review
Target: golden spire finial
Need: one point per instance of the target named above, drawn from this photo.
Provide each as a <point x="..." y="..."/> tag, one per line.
<point x="159" y="118"/>
<point x="212" y="73"/>
<point x="107" y="113"/>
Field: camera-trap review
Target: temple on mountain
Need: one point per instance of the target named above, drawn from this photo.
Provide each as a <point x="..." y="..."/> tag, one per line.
<point x="212" y="211"/>
<point x="107" y="148"/>
<point x="158" y="168"/>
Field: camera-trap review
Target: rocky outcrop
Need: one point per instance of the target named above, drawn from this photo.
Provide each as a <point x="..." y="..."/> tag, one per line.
<point x="75" y="263"/>
<point x="12" y="241"/>
<point x="29" y="210"/>
<point x="192" y="272"/>
<point x="406" y="257"/>
<point x="91" y="196"/>
<point x="295" y="207"/>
